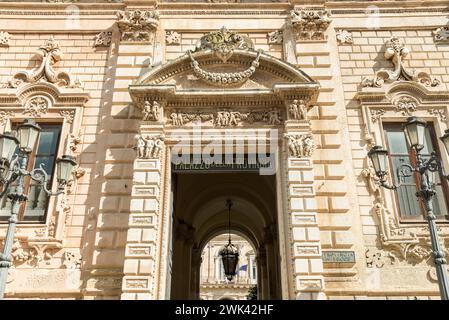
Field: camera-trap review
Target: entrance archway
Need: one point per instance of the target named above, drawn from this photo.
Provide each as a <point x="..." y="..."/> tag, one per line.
<point x="200" y="214"/>
<point x="214" y="284"/>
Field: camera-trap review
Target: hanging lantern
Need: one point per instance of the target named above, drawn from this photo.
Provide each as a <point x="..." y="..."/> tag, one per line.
<point x="229" y="253"/>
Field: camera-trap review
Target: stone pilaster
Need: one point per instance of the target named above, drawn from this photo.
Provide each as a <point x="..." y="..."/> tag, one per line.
<point x="142" y="243"/>
<point x="305" y="234"/>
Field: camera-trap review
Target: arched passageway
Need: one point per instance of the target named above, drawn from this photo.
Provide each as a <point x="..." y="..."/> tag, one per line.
<point x="200" y="214"/>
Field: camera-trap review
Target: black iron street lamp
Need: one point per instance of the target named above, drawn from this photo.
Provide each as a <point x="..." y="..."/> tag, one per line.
<point x="229" y="253"/>
<point x="13" y="169"/>
<point x="414" y="131"/>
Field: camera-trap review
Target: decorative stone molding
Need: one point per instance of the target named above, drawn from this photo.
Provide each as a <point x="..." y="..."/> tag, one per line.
<point x="103" y="39"/>
<point x="300" y="145"/>
<point x="138" y="25"/>
<point x="4" y="39"/>
<point x="152" y="111"/>
<point x="224" y="117"/>
<point x="148" y="147"/>
<point x="310" y="24"/>
<point x="172" y="37"/>
<point x="441" y="34"/>
<point x="49" y="53"/>
<point x="37" y="106"/>
<point x="275" y="37"/>
<point x="344" y="36"/>
<point x="397" y="52"/>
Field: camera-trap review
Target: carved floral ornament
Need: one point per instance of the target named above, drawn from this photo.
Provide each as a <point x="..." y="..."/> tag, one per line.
<point x="310" y="24"/>
<point x="103" y="39"/>
<point x="138" y="25"/>
<point x="397" y="52"/>
<point x="4" y="38"/>
<point x="441" y="34"/>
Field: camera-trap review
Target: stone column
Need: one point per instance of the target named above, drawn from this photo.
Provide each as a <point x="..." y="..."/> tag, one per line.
<point x="196" y="276"/>
<point x="262" y="274"/>
<point x="305" y="234"/>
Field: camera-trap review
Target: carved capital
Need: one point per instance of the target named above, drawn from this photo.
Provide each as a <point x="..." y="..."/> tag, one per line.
<point x="103" y="39"/>
<point x="310" y="24"/>
<point x="138" y="25"/>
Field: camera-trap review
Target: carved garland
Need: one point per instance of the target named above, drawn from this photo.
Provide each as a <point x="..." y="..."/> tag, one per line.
<point x="224" y="79"/>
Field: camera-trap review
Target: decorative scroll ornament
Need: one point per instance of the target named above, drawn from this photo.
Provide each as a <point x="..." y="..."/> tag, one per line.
<point x="310" y="24"/>
<point x="103" y="39"/>
<point x="300" y="146"/>
<point x="137" y="25"/>
<point x="376" y="114"/>
<point x="149" y="147"/>
<point x="344" y="36"/>
<point x="275" y="37"/>
<point x="49" y="54"/>
<point x="441" y="34"/>
<point x="223" y="43"/>
<point x="4" y="38"/>
<point x="172" y="37"/>
<point x="396" y="52"/>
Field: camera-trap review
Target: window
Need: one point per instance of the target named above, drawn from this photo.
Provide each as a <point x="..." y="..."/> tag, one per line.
<point x="45" y="152"/>
<point x="410" y="207"/>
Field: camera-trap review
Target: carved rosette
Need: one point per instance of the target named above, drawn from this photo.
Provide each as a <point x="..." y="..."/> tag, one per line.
<point x="149" y="147"/>
<point x="396" y="52"/>
<point x="71" y="260"/>
<point x="310" y="24"/>
<point x="172" y="37"/>
<point x="138" y="25"/>
<point x="441" y="34"/>
<point x="344" y="36"/>
<point x="103" y="39"/>
<point x="300" y="145"/>
<point x="275" y="37"/>
<point x="4" y="39"/>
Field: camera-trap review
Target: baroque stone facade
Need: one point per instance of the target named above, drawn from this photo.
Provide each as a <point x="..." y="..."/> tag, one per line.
<point x="132" y="84"/>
